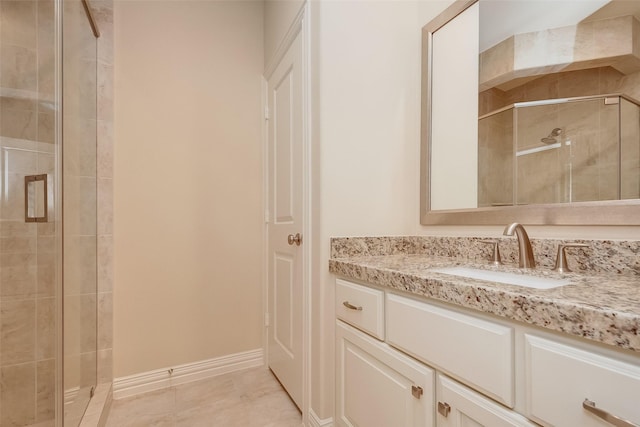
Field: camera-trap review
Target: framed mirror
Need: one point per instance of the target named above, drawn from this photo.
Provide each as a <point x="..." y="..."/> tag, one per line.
<point x="530" y="115"/>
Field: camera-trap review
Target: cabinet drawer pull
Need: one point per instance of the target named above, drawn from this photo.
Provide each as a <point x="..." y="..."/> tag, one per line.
<point x="351" y="306"/>
<point x="610" y="418"/>
<point x="444" y="409"/>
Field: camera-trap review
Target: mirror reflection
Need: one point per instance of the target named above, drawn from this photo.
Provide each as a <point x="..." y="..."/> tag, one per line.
<point x="576" y="150"/>
<point x="558" y="116"/>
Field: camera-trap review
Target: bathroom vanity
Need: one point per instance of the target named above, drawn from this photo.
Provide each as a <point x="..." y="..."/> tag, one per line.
<point x="427" y="333"/>
<point x="415" y="347"/>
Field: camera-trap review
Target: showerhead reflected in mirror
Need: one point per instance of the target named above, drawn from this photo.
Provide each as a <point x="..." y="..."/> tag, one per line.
<point x="551" y="138"/>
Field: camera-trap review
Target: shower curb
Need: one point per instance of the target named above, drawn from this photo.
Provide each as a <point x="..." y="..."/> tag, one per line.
<point x="99" y="406"/>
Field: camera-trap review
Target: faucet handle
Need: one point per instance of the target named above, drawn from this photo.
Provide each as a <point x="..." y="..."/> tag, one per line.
<point x="495" y="258"/>
<point x="561" y="259"/>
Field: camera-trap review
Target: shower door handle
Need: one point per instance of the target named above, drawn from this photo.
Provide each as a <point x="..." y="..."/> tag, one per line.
<point x="36" y="198"/>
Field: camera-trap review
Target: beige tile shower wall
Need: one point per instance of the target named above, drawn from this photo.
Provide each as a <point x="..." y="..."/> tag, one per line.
<point x="630" y="151"/>
<point x="540" y="178"/>
<point x="594" y="81"/>
<point x="630" y="85"/>
<point x="495" y="159"/>
<point x="541" y="175"/>
<point x="27" y="257"/>
<point x="19" y="39"/>
<point x="608" y="42"/>
<point x="27" y="307"/>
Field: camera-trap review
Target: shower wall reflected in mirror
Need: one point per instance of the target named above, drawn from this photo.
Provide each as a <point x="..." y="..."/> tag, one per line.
<point x="47" y="261"/>
<point x="560" y="151"/>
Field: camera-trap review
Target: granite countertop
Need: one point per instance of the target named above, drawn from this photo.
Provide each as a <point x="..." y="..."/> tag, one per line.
<point x="600" y="307"/>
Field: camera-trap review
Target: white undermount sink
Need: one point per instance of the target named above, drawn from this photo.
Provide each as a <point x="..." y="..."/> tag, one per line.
<point x="525" y="280"/>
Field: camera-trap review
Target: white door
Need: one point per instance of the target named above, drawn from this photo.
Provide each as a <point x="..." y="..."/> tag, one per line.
<point x="284" y="229"/>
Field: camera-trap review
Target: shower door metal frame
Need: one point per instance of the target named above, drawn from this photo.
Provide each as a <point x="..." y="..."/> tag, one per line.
<point x="58" y="185"/>
<point x="92" y="21"/>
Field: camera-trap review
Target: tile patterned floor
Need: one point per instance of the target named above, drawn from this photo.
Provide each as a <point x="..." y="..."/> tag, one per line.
<point x="249" y="398"/>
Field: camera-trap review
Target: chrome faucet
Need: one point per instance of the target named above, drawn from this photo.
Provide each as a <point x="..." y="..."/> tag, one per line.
<point x="524" y="245"/>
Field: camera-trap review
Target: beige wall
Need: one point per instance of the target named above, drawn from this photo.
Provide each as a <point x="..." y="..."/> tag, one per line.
<point x="454" y="78"/>
<point x="187" y="182"/>
<point x="366" y="127"/>
<point x="173" y="303"/>
<point x="365" y="137"/>
<point x="365" y="123"/>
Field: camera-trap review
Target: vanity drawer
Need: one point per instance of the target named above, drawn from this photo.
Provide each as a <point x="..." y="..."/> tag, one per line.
<point x="559" y="378"/>
<point x="361" y="307"/>
<point x="473" y="350"/>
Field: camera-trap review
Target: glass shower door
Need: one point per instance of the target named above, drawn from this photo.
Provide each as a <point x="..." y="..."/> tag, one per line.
<point x="36" y="380"/>
<point x="495" y="159"/>
<point x="581" y="149"/>
<point x="568" y="152"/>
<point x="79" y="210"/>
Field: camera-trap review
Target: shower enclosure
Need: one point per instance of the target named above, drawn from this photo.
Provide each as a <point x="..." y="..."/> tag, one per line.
<point x="48" y="212"/>
<point x="560" y="150"/>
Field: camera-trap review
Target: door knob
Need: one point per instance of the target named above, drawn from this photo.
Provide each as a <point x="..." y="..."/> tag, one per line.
<point x="297" y="239"/>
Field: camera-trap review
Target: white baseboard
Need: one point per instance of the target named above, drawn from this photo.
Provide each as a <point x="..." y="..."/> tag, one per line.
<point x="165" y="378"/>
<point x="315" y="421"/>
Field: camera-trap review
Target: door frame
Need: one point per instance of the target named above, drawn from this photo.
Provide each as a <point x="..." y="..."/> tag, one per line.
<point x="300" y="25"/>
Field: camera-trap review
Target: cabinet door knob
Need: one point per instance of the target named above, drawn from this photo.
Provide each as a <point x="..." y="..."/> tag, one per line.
<point x="608" y="417"/>
<point x="297" y="239"/>
<point x="417" y="391"/>
<point x="444" y="409"/>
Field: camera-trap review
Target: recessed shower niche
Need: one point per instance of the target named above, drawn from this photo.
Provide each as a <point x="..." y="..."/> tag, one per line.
<point x="560" y="150"/>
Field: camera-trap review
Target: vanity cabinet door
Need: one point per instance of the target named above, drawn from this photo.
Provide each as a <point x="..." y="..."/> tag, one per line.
<point x="377" y="386"/>
<point x="560" y="377"/>
<point x="472" y="350"/>
<point x="459" y="406"/>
